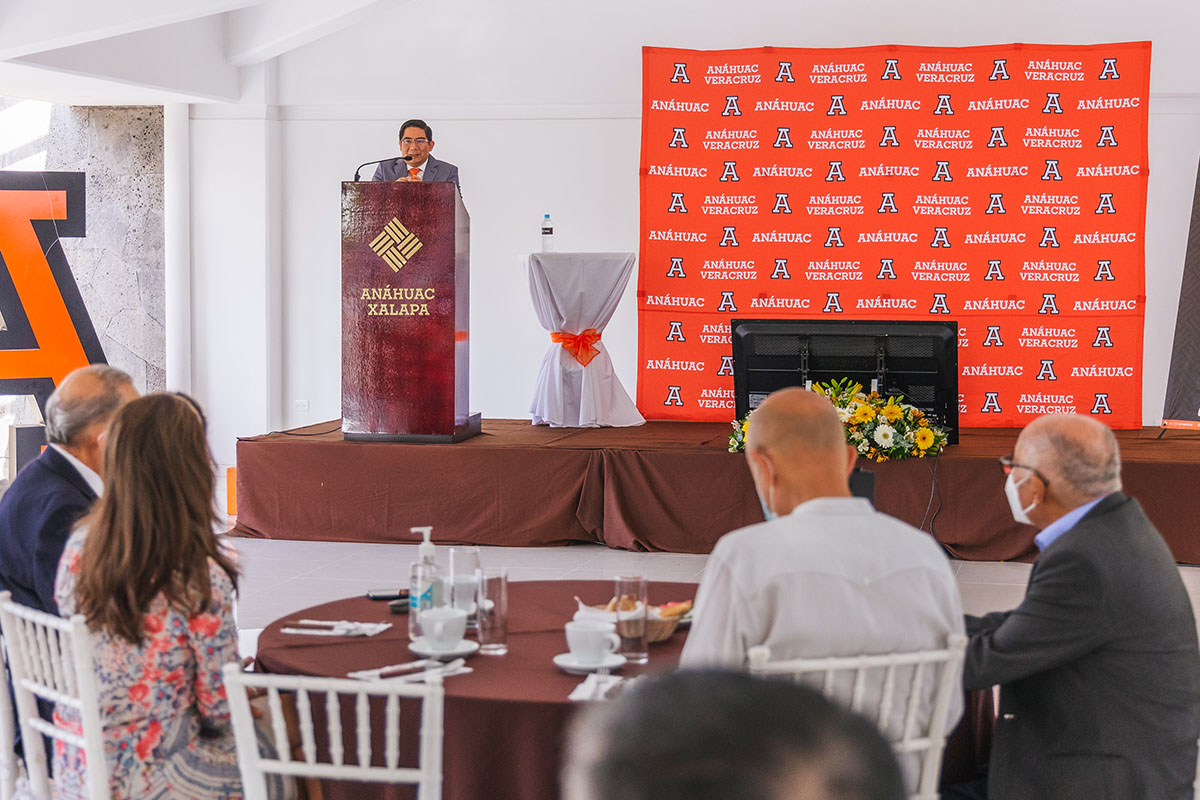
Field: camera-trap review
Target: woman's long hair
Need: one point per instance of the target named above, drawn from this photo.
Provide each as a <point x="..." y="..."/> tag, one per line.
<point x="152" y="531"/>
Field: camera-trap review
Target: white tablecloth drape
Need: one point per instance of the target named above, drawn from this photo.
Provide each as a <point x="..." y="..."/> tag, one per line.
<point x="573" y="292"/>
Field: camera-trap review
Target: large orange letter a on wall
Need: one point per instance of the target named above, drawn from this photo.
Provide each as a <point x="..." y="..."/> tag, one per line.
<point x="47" y="331"/>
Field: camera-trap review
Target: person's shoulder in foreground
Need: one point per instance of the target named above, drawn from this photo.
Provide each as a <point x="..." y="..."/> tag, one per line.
<point x="704" y="735"/>
<point x="1098" y="666"/>
<point x="54" y="490"/>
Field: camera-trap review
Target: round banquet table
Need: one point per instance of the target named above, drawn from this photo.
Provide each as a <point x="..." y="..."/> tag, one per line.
<point x="504" y="722"/>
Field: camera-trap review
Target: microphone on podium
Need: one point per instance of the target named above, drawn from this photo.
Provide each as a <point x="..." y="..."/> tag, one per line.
<point x="379" y="161"/>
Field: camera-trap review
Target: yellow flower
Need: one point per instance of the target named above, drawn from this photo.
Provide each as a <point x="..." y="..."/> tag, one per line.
<point x="892" y="412"/>
<point x="924" y="423"/>
<point x="863" y="413"/>
<point x="924" y="438"/>
<point x="746" y="425"/>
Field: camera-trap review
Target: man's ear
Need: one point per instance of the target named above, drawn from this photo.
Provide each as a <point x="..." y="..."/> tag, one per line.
<point x="851" y="458"/>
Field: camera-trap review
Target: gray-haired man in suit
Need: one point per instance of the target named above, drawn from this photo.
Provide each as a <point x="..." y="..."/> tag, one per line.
<point x="1098" y="667"/>
<point x="416" y="143"/>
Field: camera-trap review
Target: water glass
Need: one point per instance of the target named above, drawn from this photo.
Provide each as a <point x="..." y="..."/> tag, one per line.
<point x="630" y="589"/>
<point x="464" y="561"/>
<point x="492" y="601"/>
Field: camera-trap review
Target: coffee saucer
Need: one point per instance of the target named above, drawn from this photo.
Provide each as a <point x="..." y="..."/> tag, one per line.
<point x="464" y="648"/>
<point x="568" y="663"/>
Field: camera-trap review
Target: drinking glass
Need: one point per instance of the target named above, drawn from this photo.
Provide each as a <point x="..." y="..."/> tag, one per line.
<point x="464" y="561"/>
<point x="631" y="624"/>
<point x="492" y="601"/>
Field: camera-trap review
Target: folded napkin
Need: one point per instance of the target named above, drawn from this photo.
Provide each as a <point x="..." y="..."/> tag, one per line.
<point x="341" y="627"/>
<point x="595" y="687"/>
<point x="446" y="672"/>
<point x="392" y="670"/>
<point x="413" y="671"/>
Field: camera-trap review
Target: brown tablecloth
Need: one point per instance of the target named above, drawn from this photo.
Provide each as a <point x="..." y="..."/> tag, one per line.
<point x="504" y="722"/>
<point x="663" y="486"/>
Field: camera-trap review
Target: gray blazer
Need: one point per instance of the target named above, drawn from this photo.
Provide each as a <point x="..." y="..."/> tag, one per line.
<point x="435" y="170"/>
<point x="1098" y="667"/>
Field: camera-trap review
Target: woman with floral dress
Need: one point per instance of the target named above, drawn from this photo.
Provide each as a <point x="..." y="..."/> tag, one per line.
<point x="149" y="574"/>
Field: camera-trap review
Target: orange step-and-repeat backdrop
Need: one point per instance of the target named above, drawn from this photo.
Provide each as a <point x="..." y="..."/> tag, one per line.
<point x="1002" y="187"/>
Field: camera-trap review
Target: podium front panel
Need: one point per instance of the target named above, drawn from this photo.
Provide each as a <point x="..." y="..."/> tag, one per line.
<point x="404" y="316"/>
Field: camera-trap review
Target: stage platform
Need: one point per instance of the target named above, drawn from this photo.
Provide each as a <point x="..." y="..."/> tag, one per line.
<point x="668" y="486"/>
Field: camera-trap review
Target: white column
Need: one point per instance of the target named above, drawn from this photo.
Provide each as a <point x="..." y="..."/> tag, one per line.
<point x="235" y="217"/>
<point x="177" y="235"/>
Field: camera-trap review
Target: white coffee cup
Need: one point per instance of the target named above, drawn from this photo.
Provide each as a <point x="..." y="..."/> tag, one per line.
<point x="443" y="627"/>
<point x="590" y="641"/>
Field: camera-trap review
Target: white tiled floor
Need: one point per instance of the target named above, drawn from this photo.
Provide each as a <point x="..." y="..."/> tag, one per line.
<point x="280" y="577"/>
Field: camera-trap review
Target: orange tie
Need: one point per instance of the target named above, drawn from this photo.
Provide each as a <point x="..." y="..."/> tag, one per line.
<point x="580" y="346"/>
<point x="413" y="172"/>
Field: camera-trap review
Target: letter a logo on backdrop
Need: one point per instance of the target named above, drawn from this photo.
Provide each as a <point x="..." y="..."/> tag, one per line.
<point x="46" y="328"/>
<point x="1002" y="187"/>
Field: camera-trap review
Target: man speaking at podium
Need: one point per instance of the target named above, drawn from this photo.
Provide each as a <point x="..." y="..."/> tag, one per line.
<point x="415" y="162"/>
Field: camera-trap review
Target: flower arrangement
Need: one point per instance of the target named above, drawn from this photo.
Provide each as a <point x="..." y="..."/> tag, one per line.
<point x="737" y="439"/>
<point x="881" y="429"/>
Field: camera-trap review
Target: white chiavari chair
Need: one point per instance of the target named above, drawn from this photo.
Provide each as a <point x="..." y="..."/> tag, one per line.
<point x="890" y="684"/>
<point x="8" y="733"/>
<point x="340" y="765"/>
<point x="51" y="658"/>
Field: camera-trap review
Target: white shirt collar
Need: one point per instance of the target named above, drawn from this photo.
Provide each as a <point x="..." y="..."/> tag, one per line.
<point x="86" y="472"/>
<point x="421" y="169"/>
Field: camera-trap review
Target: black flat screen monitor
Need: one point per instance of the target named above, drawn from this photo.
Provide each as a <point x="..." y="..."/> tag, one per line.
<point x="917" y="359"/>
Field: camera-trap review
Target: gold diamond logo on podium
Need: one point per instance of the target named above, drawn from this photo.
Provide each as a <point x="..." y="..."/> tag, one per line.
<point x="396" y="244"/>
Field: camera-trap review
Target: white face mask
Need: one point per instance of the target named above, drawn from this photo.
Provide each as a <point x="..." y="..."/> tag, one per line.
<point x="768" y="513"/>
<point x="1020" y="514"/>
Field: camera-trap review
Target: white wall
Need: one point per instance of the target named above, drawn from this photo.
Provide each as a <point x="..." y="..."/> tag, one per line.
<point x="537" y="103"/>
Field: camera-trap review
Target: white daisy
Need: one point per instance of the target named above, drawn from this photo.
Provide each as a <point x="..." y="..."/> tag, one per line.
<point x="843" y="413"/>
<point x="885" y="435"/>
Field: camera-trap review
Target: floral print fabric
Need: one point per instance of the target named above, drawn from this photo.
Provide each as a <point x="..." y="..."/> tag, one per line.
<point x="167" y="731"/>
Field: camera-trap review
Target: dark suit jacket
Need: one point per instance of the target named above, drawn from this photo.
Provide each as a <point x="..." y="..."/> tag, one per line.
<point x="434" y="171"/>
<point x="36" y="514"/>
<point x="1098" y="667"/>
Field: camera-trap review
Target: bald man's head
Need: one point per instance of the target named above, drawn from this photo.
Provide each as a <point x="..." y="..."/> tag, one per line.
<point x="794" y="419"/>
<point x="87" y="395"/>
<point x="79" y="410"/>
<point x="796" y="447"/>
<point x="1078" y="455"/>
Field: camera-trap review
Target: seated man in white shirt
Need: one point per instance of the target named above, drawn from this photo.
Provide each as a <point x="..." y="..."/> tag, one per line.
<point x="826" y="574"/>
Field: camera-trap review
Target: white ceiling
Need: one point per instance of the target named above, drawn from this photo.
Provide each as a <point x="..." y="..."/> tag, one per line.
<point x="147" y="51"/>
<point x="339" y="51"/>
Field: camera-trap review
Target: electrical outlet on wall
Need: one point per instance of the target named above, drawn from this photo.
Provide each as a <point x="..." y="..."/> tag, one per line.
<point x="301" y="405"/>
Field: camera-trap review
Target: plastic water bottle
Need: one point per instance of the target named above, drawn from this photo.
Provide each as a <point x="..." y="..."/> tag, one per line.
<point x="547" y="234"/>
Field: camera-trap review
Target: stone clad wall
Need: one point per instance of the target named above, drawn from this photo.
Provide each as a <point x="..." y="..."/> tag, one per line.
<point x="119" y="264"/>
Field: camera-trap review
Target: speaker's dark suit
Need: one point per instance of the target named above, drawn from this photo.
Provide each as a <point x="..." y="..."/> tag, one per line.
<point x="36" y="514"/>
<point x="1098" y="667"/>
<point x="435" y="171"/>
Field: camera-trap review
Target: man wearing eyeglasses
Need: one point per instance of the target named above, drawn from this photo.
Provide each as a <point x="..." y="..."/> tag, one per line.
<point x="416" y="145"/>
<point x="1098" y="666"/>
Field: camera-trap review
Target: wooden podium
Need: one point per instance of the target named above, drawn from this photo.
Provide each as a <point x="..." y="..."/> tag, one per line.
<point x="405" y="313"/>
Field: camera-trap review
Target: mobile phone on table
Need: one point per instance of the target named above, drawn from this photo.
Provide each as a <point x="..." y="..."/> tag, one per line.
<point x="387" y="594"/>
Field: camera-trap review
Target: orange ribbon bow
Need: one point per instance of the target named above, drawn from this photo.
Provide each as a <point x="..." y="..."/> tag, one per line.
<point x="580" y="345"/>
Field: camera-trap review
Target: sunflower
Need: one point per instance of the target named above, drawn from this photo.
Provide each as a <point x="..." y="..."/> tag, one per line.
<point x="924" y="438"/>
